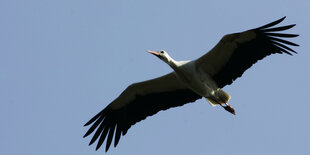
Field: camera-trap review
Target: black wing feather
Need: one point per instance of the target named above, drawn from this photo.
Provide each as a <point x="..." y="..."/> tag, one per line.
<point x="120" y="120"/>
<point x="282" y="28"/>
<point x="281" y="45"/>
<point x="282" y="35"/>
<point x="265" y="43"/>
<point x="272" y="23"/>
<point x="283" y="41"/>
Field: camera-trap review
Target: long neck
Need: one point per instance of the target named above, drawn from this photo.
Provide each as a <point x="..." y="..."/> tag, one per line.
<point x="172" y="63"/>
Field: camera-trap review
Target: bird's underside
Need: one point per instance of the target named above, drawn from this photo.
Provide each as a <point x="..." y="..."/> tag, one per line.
<point x="226" y="62"/>
<point x="199" y="81"/>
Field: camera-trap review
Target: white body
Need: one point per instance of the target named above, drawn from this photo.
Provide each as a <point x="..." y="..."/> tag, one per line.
<point x="195" y="79"/>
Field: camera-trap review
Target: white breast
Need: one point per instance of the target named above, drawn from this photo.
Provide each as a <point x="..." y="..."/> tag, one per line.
<point x="199" y="81"/>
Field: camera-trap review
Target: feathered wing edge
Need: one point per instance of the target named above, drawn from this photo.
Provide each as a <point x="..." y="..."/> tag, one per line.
<point x="275" y="38"/>
<point x="268" y="41"/>
<point x="110" y="122"/>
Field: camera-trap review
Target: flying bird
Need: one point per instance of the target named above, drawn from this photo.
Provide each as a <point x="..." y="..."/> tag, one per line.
<point x="191" y="80"/>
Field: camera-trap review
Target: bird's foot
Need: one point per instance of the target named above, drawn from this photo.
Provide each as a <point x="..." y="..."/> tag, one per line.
<point x="229" y="108"/>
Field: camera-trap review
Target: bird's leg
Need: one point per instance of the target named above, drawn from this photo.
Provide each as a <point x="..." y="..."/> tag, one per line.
<point x="228" y="108"/>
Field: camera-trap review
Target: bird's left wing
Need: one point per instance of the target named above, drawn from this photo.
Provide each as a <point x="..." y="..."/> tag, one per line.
<point x="135" y="103"/>
<point x="237" y="52"/>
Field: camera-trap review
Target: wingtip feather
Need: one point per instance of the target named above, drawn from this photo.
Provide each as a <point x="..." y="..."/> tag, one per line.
<point x="110" y="137"/>
<point x="101" y="113"/>
<point x="272" y="23"/>
<point x="86" y="124"/>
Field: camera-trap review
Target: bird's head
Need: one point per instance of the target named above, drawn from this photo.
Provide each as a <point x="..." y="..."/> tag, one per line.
<point x="163" y="55"/>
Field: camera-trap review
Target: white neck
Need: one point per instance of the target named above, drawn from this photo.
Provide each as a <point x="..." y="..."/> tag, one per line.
<point x="171" y="62"/>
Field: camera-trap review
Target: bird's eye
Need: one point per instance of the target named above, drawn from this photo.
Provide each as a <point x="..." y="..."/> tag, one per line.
<point x="162" y="52"/>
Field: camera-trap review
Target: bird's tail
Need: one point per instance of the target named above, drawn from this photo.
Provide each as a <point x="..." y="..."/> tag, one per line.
<point x="219" y="97"/>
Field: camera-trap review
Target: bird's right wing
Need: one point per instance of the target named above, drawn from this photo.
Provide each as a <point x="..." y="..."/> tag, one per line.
<point x="237" y="52"/>
<point x="137" y="102"/>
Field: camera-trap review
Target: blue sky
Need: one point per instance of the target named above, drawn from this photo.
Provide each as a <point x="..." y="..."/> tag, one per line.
<point x="61" y="62"/>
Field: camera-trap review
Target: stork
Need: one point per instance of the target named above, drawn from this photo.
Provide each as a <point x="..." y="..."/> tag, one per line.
<point x="190" y="80"/>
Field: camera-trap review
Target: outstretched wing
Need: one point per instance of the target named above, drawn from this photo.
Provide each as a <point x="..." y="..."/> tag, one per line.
<point x="137" y="102"/>
<point x="237" y="52"/>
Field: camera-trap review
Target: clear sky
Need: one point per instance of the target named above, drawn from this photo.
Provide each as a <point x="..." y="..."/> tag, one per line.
<point x="61" y="62"/>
